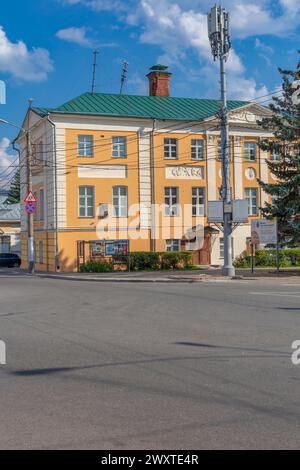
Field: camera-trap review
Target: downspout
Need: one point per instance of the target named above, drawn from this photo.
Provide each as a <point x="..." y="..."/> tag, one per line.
<point x="153" y="197"/>
<point x="57" y="265"/>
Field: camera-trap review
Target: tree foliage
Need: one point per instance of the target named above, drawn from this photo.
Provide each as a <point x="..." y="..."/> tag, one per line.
<point x="14" y="190"/>
<point x="284" y="123"/>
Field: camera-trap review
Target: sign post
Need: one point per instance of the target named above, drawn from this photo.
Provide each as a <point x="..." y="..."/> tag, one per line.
<point x="264" y="232"/>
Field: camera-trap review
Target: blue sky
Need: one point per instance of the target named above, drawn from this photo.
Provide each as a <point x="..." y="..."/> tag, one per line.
<point x="46" y="49"/>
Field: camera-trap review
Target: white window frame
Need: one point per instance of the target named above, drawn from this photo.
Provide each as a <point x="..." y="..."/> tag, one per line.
<point x="171" y="201"/>
<point x="173" y="245"/>
<point x="198" y="207"/>
<point x="197" y="149"/>
<point x="251" y="194"/>
<point x="85" y="145"/>
<point x="275" y="156"/>
<point x="120" y="201"/>
<point x="41" y="152"/>
<point x="221" y="247"/>
<point x="170" y="149"/>
<point x="249" y="156"/>
<point x="42" y="205"/>
<point x="119" y="147"/>
<point x="86" y="206"/>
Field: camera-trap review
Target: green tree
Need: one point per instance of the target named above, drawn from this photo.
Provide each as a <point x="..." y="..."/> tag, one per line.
<point x="14" y="190"/>
<point x="284" y="163"/>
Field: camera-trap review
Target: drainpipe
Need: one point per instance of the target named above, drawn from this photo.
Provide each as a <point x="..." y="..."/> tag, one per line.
<point x="57" y="266"/>
<point x="153" y="198"/>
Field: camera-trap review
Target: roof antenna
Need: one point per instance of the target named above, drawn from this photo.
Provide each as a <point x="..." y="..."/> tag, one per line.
<point x="124" y="75"/>
<point x="95" y="53"/>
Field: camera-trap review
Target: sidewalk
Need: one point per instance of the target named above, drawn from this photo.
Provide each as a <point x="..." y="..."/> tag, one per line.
<point x="205" y="274"/>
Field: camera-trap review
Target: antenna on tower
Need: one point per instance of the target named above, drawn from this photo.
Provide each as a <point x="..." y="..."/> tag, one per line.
<point x="95" y="53"/>
<point x="124" y="75"/>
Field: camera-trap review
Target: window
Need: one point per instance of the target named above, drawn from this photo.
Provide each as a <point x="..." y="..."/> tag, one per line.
<point x="170" y="149"/>
<point x="120" y="201"/>
<point x="250" y="151"/>
<point x="171" y="202"/>
<point x="251" y="195"/>
<point x="197" y="149"/>
<point x="85" y="145"/>
<point x="173" y="245"/>
<point x="41" y="204"/>
<point x="86" y="201"/>
<point x="221" y="246"/>
<point x="198" y="201"/>
<point x="274" y="155"/>
<point x="41" y="252"/>
<point x="119" y="149"/>
<point x="41" y="153"/>
<point x="35" y="214"/>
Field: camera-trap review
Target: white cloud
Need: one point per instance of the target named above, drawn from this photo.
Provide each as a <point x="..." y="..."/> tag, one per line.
<point x="76" y="35"/>
<point x="28" y="65"/>
<point x="6" y="161"/>
<point x="100" y="5"/>
<point x="180" y="26"/>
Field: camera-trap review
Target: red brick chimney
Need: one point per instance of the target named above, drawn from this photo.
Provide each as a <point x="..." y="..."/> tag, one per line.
<point x="159" y="80"/>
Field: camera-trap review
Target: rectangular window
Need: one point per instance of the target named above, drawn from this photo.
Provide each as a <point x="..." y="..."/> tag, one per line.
<point x="41" y="252"/>
<point x="251" y="194"/>
<point x="197" y="149"/>
<point x="221" y="247"/>
<point x="173" y="245"/>
<point x="41" y="153"/>
<point x="86" y="201"/>
<point x="119" y="147"/>
<point x="120" y="201"/>
<point x="274" y="155"/>
<point x="170" y="149"/>
<point x="35" y="214"/>
<point x="41" y="204"/>
<point x="198" y="202"/>
<point x="171" y="201"/>
<point x="250" y="149"/>
<point x="85" y="145"/>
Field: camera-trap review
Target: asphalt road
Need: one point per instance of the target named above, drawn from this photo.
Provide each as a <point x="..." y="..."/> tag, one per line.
<point x="148" y="366"/>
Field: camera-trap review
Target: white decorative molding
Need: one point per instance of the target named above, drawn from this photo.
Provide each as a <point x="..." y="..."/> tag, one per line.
<point x="185" y="172"/>
<point x="250" y="174"/>
<point x="102" y="171"/>
<point x="211" y="139"/>
<point x="145" y="178"/>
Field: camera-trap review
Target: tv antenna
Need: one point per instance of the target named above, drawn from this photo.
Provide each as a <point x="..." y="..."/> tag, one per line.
<point x="95" y="53"/>
<point x="124" y="75"/>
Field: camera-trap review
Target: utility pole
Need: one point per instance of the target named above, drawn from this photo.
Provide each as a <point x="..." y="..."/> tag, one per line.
<point x="219" y="36"/>
<point x="30" y="226"/>
<point x="95" y="53"/>
<point x="124" y="75"/>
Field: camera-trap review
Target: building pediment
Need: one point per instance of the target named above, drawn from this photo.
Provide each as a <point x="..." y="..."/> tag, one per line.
<point x="248" y="115"/>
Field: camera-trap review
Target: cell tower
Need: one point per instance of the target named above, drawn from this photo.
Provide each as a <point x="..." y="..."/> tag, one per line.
<point x="95" y="53"/>
<point x="219" y="37"/>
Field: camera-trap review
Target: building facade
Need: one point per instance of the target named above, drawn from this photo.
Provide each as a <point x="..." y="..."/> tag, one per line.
<point x="123" y="167"/>
<point x="10" y="227"/>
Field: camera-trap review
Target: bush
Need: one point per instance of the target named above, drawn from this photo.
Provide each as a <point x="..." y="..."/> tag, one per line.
<point x="267" y="258"/>
<point x="96" y="267"/>
<point x="176" y="260"/>
<point x="144" y="260"/>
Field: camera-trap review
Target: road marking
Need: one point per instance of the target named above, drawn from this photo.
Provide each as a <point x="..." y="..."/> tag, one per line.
<point x="280" y="294"/>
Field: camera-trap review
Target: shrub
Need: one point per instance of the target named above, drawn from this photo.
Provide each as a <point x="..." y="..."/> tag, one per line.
<point x="176" y="260"/>
<point x="267" y="258"/>
<point x="96" y="267"/>
<point x="144" y="260"/>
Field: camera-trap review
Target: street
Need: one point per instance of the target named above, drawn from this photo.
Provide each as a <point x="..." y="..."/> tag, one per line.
<point x="94" y="365"/>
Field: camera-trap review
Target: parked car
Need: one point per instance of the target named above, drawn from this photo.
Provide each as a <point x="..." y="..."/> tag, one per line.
<point x="9" y="260"/>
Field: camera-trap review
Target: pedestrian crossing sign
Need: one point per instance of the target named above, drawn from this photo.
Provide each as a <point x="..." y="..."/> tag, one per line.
<point x="30" y="197"/>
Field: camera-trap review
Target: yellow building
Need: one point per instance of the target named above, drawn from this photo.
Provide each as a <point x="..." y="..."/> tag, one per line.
<point x="9" y="226"/>
<point x="123" y="167"/>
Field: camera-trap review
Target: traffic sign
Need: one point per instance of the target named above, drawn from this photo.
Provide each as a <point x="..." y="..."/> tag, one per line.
<point x="30" y="197"/>
<point x="30" y="208"/>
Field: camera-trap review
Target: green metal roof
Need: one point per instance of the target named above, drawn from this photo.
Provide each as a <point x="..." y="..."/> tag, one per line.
<point x="149" y="107"/>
